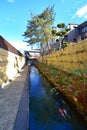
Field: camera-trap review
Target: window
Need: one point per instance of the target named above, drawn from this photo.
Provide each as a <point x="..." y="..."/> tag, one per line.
<point x="86" y="28"/>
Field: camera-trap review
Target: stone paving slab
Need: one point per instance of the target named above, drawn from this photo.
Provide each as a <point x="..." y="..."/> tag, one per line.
<point x="10" y="97"/>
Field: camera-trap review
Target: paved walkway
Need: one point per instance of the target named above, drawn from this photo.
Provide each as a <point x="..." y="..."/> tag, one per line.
<point x="14" y="101"/>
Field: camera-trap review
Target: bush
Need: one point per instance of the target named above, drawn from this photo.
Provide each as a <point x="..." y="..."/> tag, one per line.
<point x="64" y="45"/>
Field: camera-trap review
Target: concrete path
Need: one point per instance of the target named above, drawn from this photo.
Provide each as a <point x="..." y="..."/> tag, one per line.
<point x="14" y="101"/>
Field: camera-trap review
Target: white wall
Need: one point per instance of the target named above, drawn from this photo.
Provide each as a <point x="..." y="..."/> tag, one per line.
<point x="10" y="65"/>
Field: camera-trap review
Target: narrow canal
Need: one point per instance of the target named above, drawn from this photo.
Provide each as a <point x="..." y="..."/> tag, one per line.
<point x="47" y="109"/>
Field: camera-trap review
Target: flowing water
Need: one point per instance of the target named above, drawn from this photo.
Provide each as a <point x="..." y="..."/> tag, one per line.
<point x="47" y="109"/>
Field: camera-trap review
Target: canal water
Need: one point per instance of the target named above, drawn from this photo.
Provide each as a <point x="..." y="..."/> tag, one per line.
<point x="47" y="109"/>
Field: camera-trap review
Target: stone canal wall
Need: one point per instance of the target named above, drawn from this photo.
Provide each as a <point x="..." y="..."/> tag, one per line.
<point x="73" y="57"/>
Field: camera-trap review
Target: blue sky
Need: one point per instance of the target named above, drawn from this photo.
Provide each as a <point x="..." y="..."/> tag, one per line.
<point x="15" y="13"/>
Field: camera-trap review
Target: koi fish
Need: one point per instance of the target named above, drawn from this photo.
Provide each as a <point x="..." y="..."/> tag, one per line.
<point x="61" y="112"/>
<point x="66" y="113"/>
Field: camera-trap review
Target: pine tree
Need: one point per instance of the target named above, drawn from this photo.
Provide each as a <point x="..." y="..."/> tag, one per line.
<point x="40" y="26"/>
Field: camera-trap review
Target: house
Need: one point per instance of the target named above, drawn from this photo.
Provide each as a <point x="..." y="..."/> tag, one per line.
<point x="72" y="34"/>
<point x="83" y="30"/>
<point x="77" y="32"/>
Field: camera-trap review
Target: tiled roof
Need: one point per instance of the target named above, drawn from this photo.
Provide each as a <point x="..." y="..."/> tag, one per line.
<point x="7" y="46"/>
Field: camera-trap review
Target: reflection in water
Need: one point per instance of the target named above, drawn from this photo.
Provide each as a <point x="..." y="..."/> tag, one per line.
<point x="48" y="112"/>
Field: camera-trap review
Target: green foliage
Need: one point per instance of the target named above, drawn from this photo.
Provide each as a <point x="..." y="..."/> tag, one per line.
<point x="85" y="80"/>
<point x="53" y="32"/>
<point x="53" y="72"/>
<point x="61" y="33"/>
<point x="58" y="34"/>
<point x="54" y="91"/>
<point x="57" y="40"/>
<point x="64" y="45"/>
<point x="79" y="72"/>
<point x="64" y="81"/>
<point x="61" y="25"/>
<point x="76" y="93"/>
<point x="40" y="26"/>
<point x="68" y="29"/>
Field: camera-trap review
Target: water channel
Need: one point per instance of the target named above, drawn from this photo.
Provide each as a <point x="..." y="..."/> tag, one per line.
<point x="46" y="111"/>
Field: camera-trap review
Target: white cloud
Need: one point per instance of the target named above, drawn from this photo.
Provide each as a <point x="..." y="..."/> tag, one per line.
<point x="81" y="12"/>
<point x="73" y="17"/>
<point x="11" y="1"/>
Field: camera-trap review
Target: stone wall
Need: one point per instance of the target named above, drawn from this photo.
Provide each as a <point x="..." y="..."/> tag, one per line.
<point x="10" y="65"/>
<point x="73" y="57"/>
